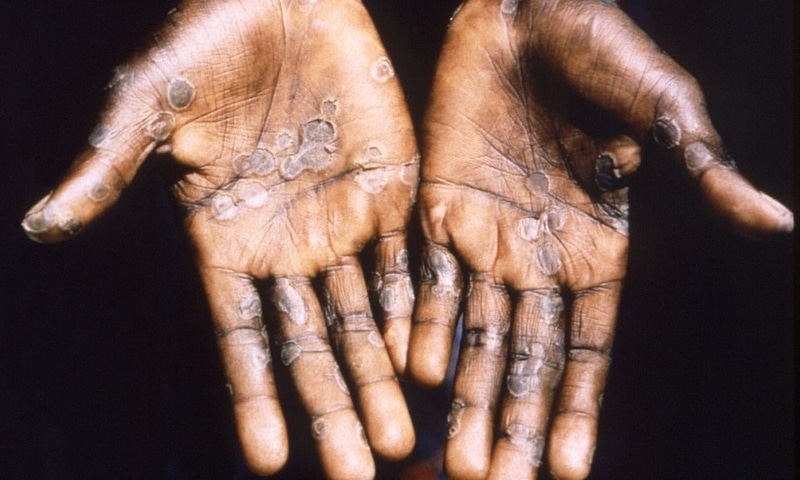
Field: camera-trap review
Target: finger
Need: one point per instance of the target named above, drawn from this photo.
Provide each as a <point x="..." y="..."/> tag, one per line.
<point x="306" y="350"/>
<point x="360" y="344"/>
<point x="573" y="433"/>
<point x="128" y="131"/>
<point x="599" y="51"/>
<point x="244" y="349"/>
<point x="478" y="379"/>
<point x="392" y="283"/>
<point x="735" y="200"/>
<point x="618" y="158"/>
<point x="435" y="315"/>
<point x="534" y="370"/>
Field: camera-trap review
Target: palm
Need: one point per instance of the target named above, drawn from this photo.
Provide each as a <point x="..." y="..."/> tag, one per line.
<point x="529" y="137"/>
<point x="296" y="152"/>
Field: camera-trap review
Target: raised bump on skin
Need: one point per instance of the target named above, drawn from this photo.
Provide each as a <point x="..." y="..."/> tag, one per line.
<point x="698" y="158"/>
<point x="549" y="260"/>
<point x="320" y="428"/>
<point x="666" y="133"/>
<point x="555" y="220"/>
<point x="290" y="351"/>
<point x="454" y="417"/>
<point x="528" y="440"/>
<point x="372" y="181"/>
<point x="382" y="70"/>
<point x="361" y="434"/>
<point x="289" y="301"/>
<point x="539" y="183"/>
<point x="99" y="192"/>
<point x="443" y="268"/>
<point x="607" y="174"/>
<point x="509" y="7"/>
<point x="523" y="376"/>
<point x="376" y="339"/>
<point x="223" y="208"/>
<point x="180" y="93"/>
<point x="249" y="307"/>
<point x="44" y="216"/>
<point x="253" y="194"/>
<point x="161" y="127"/>
<point x="314" y="152"/>
<point x="98" y="136"/>
<point x="528" y="228"/>
<point x="329" y="108"/>
<point x="552" y="307"/>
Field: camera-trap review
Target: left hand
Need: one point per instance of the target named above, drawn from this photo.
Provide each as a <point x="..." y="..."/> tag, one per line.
<point x="537" y="113"/>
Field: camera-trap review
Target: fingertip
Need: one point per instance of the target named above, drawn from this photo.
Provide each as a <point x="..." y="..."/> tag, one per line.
<point x="753" y="213"/>
<point x="429" y="354"/>
<point x="262" y="435"/>
<point x="469" y="445"/>
<point x="49" y="221"/>
<point x="342" y="445"/>
<point x="572" y="442"/>
<point x="387" y="420"/>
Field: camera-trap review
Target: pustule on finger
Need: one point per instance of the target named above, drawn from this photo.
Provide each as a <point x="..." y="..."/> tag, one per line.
<point x="289" y="301"/>
<point x="666" y="133"/>
<point x="294" y="348"/>
<point x="524" y="374"/>
<point x="527" y="440"/>
<point x="382" y="70"/>
<point x="454" y="417"/>
<point x="395" y="295"/>
<point x="161" y="126"/>
<point x="699" y="158"/>
<point x="509" y="7"/>
<point x="91" y="186"/>
<point x="608" y="174"/>
<point x="440" y="268"/>
<point x="625" y="153"/>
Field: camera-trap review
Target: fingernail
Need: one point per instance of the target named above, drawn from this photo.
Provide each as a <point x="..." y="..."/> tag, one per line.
<point x="43" y="223"/>
<point x="38" y="219"/>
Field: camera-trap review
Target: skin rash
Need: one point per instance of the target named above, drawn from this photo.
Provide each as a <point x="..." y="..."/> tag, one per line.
<point x="298" y="154"/>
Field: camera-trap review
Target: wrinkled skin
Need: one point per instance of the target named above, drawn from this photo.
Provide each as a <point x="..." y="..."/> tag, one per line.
<point x="295" y="152"/>
<point x="538" y="113"/>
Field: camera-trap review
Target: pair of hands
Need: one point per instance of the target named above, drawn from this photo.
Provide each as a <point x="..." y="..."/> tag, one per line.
<point x="298" y="153"/>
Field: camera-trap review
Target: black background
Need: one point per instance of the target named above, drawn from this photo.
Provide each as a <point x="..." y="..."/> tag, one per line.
<point x="107" y="363"/>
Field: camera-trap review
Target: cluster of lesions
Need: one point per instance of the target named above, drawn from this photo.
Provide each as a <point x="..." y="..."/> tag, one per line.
<point x="290" y="163"/>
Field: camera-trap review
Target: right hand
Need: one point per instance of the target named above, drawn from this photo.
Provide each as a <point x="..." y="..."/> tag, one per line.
<point x="297" y="152"/>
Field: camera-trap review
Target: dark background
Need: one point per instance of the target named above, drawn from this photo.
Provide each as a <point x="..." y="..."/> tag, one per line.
<point x="107" y="363"/>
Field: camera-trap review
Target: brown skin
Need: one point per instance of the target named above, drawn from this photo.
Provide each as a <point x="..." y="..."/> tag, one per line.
<point x="296" y="153"/>
<point x="537" y="112"/>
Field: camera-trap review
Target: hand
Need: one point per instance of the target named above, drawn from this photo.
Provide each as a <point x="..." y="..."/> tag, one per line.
<point x="295" y="152"/>
<point x="537" y="114"/>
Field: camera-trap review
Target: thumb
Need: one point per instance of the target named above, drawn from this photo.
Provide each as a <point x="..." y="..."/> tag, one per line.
<point x="132" y="126"/>
<point x="601" y="53"/>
